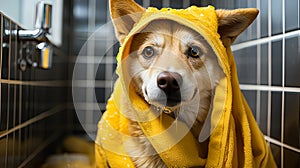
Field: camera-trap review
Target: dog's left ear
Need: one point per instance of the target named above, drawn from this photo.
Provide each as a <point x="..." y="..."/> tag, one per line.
<point x="124" y="14"/>
<point x="234" y="22"/>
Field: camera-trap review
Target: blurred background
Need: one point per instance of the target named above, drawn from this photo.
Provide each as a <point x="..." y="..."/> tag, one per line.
<point x="78" y="58"/>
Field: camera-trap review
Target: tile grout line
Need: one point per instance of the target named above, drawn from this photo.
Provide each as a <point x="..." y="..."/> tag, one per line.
<point x="264" y="40"/>
<point x="39" y="149"/>
<point x="15" y="87"/>
<point x="83" y="105"/>
<point x="299" y="46"/>
<point x="14" y="117"/>
<point x="9" y="52"/>
<point x="20" y="87"/>
<point x="54" y="83"/>
<point x="258" y="72"/>
<point x="92" y="83"/>
<point x="6" y="151"/>
<point x="27" y="110"/>
<point x="146" y="3"/>
<point x="15" y="95"/>
<point x="1" y="42"/>
<point x="78" y="83"/>
<point x="269" y="67"/>
<point x="103" y="59"/>
<point x="283" y="82"/>
<point x="8" y="78"/>
<point x="165" y="3"/>
<point x="90" y="51"/>
<point x="20" y="53"/>
<point x="276" y="142"/>
<point x="269" y="88"/>
<point x="109" y="56"/>
<point x="186" y="3"/>
<point x="39" y="117"/>
<point x="8" y="90"/>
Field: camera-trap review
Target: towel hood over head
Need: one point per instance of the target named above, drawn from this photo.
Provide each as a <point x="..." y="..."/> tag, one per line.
<point x="235" y="140"/>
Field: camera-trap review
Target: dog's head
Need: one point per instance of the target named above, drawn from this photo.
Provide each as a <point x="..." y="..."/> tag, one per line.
<point x="171" y="64"/>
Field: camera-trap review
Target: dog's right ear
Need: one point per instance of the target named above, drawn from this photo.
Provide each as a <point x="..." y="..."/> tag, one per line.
<point x="234" y="22"/>
<point x="124" y="13"/>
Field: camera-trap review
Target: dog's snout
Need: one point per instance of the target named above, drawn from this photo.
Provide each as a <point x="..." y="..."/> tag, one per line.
<point x="169" y="81"/>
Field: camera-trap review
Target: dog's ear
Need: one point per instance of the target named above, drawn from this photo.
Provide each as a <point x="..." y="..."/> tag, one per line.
<point x="234" y="22"/>
<point x="124" y="13"/>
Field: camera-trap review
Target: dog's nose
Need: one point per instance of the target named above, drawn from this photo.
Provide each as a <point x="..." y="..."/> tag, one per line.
<point x="169" y="81"/>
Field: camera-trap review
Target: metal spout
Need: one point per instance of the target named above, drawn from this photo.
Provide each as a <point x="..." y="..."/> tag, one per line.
<point x="46" y="54"/>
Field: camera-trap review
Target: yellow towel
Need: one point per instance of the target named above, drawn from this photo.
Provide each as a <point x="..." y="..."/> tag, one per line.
<point x="235" y="139"/>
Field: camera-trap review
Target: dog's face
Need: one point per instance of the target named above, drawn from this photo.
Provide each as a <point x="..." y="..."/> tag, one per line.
<point x="171" y="64"/>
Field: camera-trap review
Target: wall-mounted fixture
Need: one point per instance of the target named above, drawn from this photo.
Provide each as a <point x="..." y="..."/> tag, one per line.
<point x="43" y="23"/>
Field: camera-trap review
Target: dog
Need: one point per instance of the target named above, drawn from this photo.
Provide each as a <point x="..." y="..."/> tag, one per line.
<point x="174" y="69"/>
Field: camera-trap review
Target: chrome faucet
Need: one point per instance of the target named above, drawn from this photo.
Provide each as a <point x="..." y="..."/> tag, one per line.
<point x="43" y="15"/>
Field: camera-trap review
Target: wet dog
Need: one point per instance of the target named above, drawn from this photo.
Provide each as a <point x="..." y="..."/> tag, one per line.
<point x="174" y="69"/>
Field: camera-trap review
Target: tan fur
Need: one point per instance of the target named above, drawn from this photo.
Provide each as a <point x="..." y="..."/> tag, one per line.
<point x="167" y="39"/>
<point x="171" y="42"/>
<point x="234" y="22"/>
<point x="139" y="148"/>
<point x="124" y="14"/>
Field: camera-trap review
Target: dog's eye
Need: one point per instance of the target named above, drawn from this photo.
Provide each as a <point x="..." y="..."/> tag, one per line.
<point x="194" y="52"/>
<point x="148" y="52"/>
